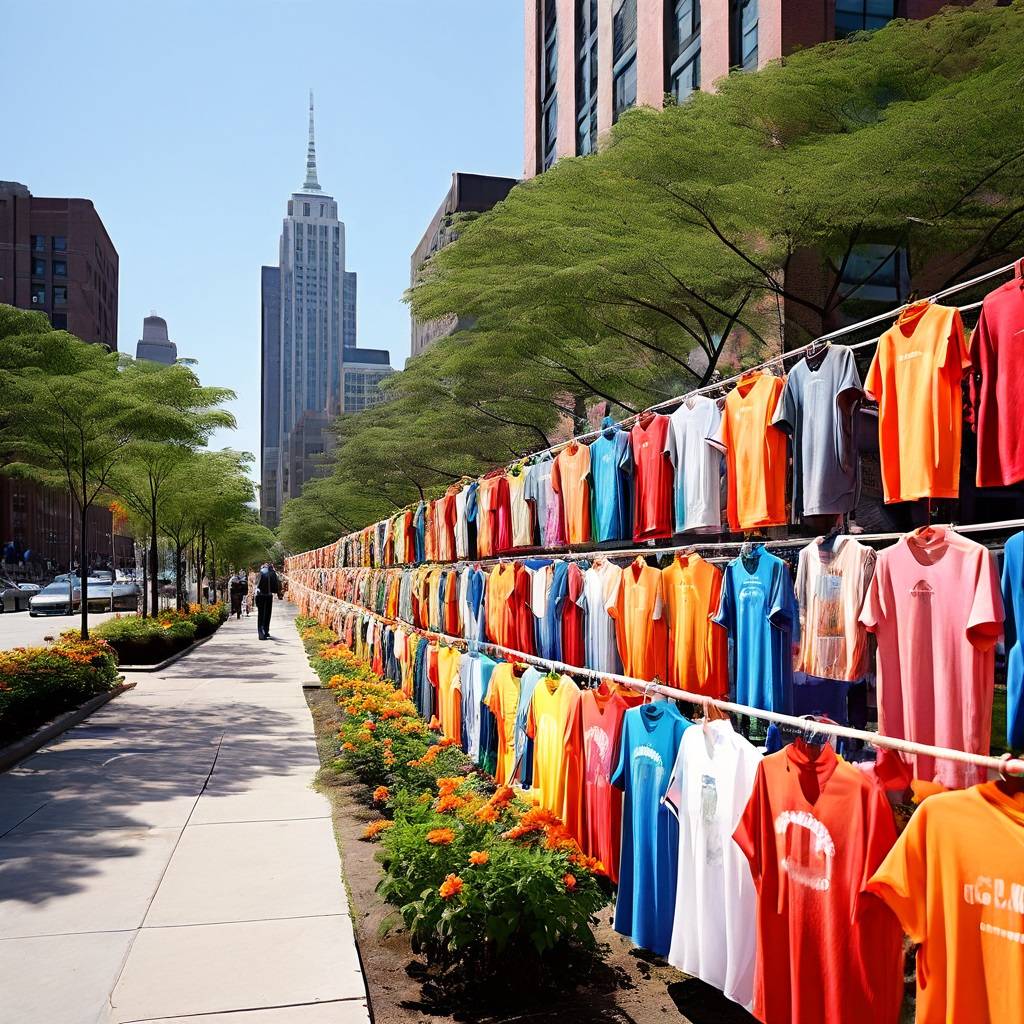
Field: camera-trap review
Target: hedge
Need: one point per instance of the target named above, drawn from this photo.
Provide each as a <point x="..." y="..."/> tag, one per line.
<point x="139" y="641"/>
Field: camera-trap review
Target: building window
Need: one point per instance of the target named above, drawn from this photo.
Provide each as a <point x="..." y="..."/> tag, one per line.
<point x="305" y="209"/>
<point x="623" y="58"/>
<point x="548" y="90"/>
<point x="586" y="76"/>
<point x="876" y="273"/>
<point x="39" y="243"/>
<point x="38" y="268"/>
<point x="60" y="268"/>
<point x="38" y="295"/>
<point x="60" y="243"/>
<point x="60" y="295"/>
<point x="682" y="54"/>
<point x="862" y="15"/>
<point x="59" y="321"/>
<point x="743" y="34"/>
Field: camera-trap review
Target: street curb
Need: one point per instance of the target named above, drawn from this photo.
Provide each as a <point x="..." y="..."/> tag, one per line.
<point x="20" y="749"/>
<point x="168" y="661"/>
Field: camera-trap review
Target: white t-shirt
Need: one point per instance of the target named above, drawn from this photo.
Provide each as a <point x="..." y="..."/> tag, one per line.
<point x="600" y="582"/>
<point x="461" y="524"/>
<point x="713" y="935"/>
<point x="522" y="519"/>
<point x="698" y="465"/>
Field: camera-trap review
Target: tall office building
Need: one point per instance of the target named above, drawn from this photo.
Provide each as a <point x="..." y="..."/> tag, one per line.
<point x="589" y="60"/>
<point x="154" y="344"/>
<point x="362" y="371"/>
<point x="308" y="323"/>
<point x="469" y="193"/>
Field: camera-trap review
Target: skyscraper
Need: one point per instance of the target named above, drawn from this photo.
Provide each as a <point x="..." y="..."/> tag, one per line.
<point x="154" y="344"/>
<point x="308" y="322"/>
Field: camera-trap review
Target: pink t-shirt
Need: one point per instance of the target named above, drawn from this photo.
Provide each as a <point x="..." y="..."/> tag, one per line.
<point x="935" y="606"/>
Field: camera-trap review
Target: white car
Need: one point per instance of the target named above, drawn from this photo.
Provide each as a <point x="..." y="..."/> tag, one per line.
<point x="53" y="599"/>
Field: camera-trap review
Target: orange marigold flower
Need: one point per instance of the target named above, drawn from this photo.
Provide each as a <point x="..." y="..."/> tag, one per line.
<point x="486" y="813"/>
<point x="434" y="723"/>
<point x="450" y="887"/>
<point x="431" y="753"/>
<point x="381" y="795"/>
<point x="370" y="726"/>
<point x="448" y="802"/>
<point x="391" y="713"/>
<point x="449" y="785"/>
<point x="440" y="836"/>
<point x="479" y="857"/>
<point x="376" y="827"/>
<point x="448" y="742"/>
<point x="348" y="746"/>
<point x="570" y="882"/>
<point x="504" y="796"/>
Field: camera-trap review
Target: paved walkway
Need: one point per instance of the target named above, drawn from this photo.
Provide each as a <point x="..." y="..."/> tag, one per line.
<point x="168" y="861"/>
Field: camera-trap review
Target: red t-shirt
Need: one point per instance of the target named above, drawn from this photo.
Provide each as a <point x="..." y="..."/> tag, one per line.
<point x="520" y="615"/>
<point x="652" y="478"/>
<point x="997" y="385"/>
<point x="572" y="618"/>
<point x="815" y="830"/>
<point x="601" y="712"/>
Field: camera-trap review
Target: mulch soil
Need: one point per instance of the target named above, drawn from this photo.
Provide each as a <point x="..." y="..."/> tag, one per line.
<point x="621" y="985"/>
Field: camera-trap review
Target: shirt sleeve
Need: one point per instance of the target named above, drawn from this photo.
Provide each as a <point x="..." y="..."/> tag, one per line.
<point x="874" y="611"/>
<point x="785" y="411"/>
<point x="985" y="623"/>
<point x="726" y="605"/>
<point x="1010" y="570"/>
<point x="674" y="793"/>
<point x="873" y="382"/>
<point x="902" y="879"/>
<point x="659" y="598"/>
<point x="720" y="435"/>
<point x="618" y="778"/>
<point x="783" y="610"/>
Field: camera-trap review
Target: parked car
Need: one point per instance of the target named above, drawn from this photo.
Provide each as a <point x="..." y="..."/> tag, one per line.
<point x="30" y="588"/>
<point x="12" y="597"/>
<point x="125" y="596"/>
<point x="53" y="599"/>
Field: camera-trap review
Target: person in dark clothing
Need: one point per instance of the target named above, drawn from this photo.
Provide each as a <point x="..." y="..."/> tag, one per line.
<point x="267" y="585"/>
<point x="238" y="586"/>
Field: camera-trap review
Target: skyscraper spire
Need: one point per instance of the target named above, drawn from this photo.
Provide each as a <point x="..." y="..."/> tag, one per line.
<point x="311" y="184"/>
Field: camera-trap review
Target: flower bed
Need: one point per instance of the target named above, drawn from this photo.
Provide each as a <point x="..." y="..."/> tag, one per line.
<point x="139" y="641"/>
<point x="484" y="880"/>
<point x="39" y="683"/>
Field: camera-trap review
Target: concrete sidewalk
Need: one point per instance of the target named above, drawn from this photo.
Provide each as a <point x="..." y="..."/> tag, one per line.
<point x="167" y="859"/>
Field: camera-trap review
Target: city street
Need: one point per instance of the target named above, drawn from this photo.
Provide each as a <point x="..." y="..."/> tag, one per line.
<point x="19" y="629"/>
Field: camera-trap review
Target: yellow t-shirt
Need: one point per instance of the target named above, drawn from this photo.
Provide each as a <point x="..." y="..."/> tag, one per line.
<point x="503" y="700"/>
<point x="449" y="692"/>
<point x="546" y="725"/>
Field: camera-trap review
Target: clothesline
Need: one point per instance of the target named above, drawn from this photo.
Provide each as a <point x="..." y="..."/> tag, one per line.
<point x="1004" y="766"/>
<point x="694" y="545"/>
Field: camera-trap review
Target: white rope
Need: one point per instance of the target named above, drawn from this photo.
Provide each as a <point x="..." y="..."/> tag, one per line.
<point x="1005" y="766"/>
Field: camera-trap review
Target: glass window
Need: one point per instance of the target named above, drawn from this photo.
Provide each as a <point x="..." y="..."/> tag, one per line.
<point x="682" y="55"/>
<point x="39" y="243"/>
<point x="38" y="295"/>
<point x="862" y="15"/>
<point x="586" y="76"/>
<point x="305" y="209"/>
<point x="624" y="89"/>
<point x="38" y="268"/>
<point x="686" y="80"/>
<point x="60" y="243"/>
<point x="549" y="73"/>
<point x="623" y="30"/>
<point x="60" y="268"/>
<point x="743" y="34"/>
<point x="60" y="295"/>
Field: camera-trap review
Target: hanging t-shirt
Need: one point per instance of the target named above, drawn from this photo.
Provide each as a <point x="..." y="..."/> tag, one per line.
<point x="547" y="599"/>
<point x="570" y="480"/>
<point x="816" y="408"/>
<point x="915" y="378"/>
<point x="830" y="590"/>
<point x="474" y="673"/>
<point x="698" y="657"/>
<point x="713" y="932"/>
<point x="611" y="467"/>
<point x="645" y="905"/>
<point x="652" y="483"/>
<point x="573" y="615"/>
<point x="503" y="701"/>
<point x="523" y="742"/>
<point x="547" y="510"/>
<point x="547" y="725"/>
<point x="602" y="711"/>
<point x="637" y="606"/>
<point x="935" y="607"/>
<point x="461" y="524"/>
<point x="420" y="526"/>
<point x="760" y="613"/>
<point x="814" y="832"/>
<point x="697" y="465"/>
<point x="755" y="453"/>
<point x="449" y="695"/>
<point x="522" y="520"/>
<point x="1013" y="605"/>
<point x="955" y="880"/>
<point x="600" y="582"/>
<point x="997" y="385"/>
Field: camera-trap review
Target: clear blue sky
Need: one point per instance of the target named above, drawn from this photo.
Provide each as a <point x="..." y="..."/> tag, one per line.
<point x="185" y="123"/>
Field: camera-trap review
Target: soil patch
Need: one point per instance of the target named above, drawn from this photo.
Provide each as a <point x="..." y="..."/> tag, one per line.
<point x="623" y="985"/>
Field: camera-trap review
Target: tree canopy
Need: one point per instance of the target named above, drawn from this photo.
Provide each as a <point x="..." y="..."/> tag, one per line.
<point x="700" y="237"/>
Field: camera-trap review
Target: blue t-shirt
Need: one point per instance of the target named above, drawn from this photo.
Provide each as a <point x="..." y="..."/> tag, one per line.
<point x="760" y="612"/>
<point x="646" y="902"/>
<point x="523" y="744"/>
<point x="420" y="524"/>
<point x="1013" y="603"/>
<point x="611" y="466"/>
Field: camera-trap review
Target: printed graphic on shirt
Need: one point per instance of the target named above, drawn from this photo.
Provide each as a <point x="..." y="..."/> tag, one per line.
<point x="709" y="819"/>
<point x="807" y="849"/>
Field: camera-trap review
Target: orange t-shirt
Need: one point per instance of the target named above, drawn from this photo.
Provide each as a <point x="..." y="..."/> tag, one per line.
<point x="955" y="880"/>
<point x="637" y="608"/>
<point x="755" y="453"/>
<point x="449" y="692"/>
<point x="915" y="378"/>
<point x="500" y="585"/>
<point x="697" y="648"/>
<point x="570" y="478"/>
<point x="503" y="700"/>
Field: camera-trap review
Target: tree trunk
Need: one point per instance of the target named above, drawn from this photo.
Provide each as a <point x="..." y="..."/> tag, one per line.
<point x="177" y="577"/>
<point x="202" y="564"/>
<point x="154" y="583"/>
<point x="141" y="560"/>
<point x="83" y="515"/>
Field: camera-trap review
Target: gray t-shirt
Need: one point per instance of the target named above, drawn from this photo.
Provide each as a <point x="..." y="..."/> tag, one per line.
<point x="816" y="408"/>
<point x="539" y="493"/>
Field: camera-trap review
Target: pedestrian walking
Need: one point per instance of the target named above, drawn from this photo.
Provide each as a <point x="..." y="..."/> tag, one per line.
<point x="267" y="586"/>
<point x="238" y="587"/>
